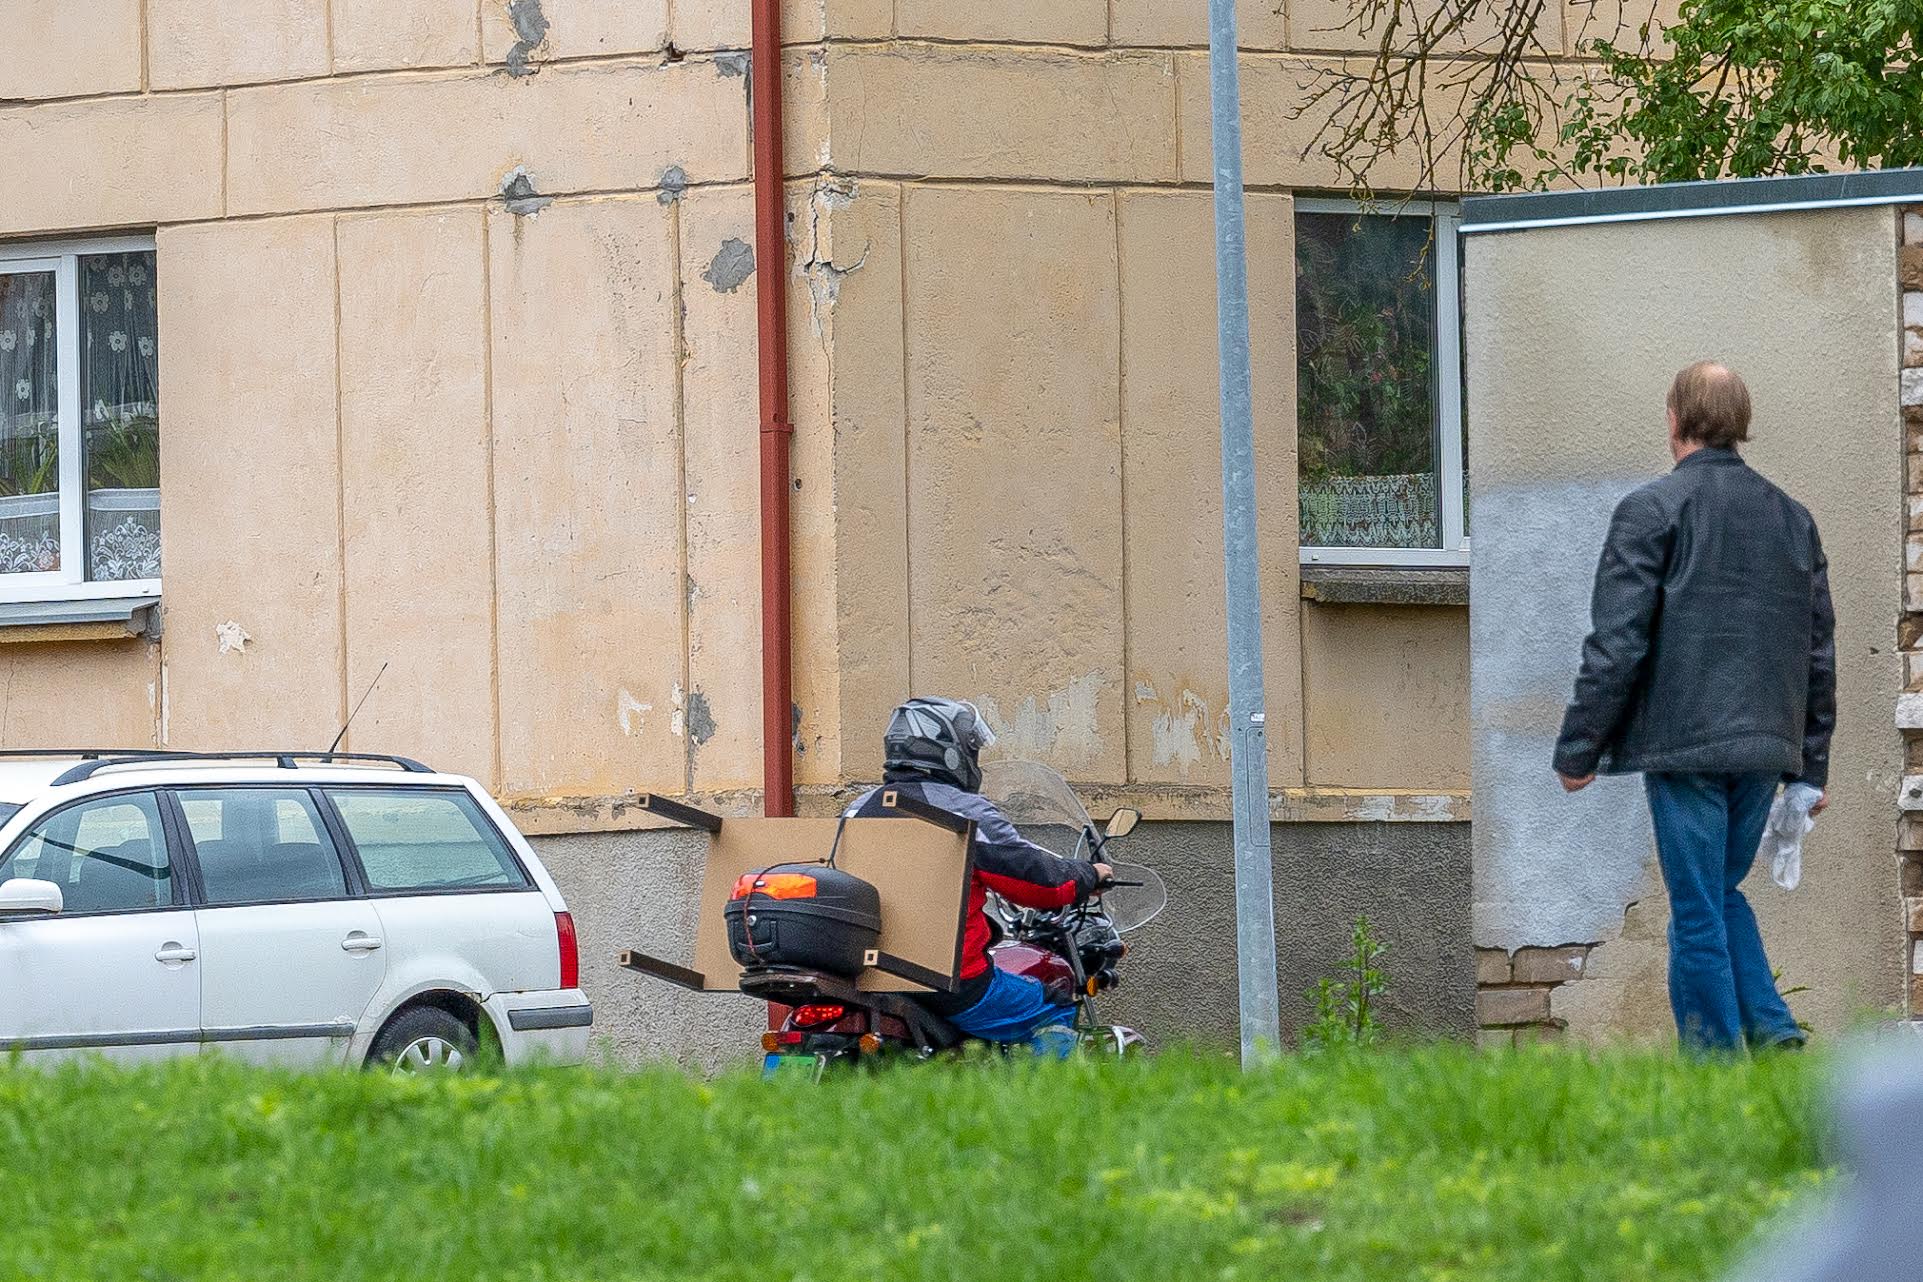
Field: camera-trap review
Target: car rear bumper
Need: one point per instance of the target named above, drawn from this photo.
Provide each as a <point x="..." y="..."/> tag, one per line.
<point x="542" y="1028"/>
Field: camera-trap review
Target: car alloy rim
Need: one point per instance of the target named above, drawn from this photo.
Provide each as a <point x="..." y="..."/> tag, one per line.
<point x="430" y="1055"/>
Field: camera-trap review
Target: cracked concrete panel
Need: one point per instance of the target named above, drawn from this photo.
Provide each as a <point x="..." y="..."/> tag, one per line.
<point x="1177" y="696"/>
<point x="195" y="43"/>
<point x="1388" y="696"/>
<point x="1259" y="24"/>
<point x="376" y="35"/>
<point x="587" y="514"/>
<point x="588" y="127"/>
<point x="414" y="443"/>
<point x="1566" y="414"/>
<point x="999" y="113"/>
<point x="1015" y="467"/>
<point x="80" y="692"/>
<point x="111" y="162"/>
<point x="66" y="50"/>
<point x="720" y="417"/>
<point x="539" y="30"/>
<point x="869" y="551"/>
<point x="1069" y="22"/>
<point x="250" y="518"/>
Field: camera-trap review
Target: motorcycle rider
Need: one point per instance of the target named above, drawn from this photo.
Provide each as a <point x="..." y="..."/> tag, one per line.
<point x="932" y="752"/>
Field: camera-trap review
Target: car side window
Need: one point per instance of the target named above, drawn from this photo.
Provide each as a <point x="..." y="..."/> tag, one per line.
<point x="415" y="840"/>
<point x="261" y="845"/>
<point x="106" y="855"/>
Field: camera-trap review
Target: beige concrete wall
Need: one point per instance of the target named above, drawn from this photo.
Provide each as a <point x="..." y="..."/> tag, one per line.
<point x="1566" y="413"/>
<point x="507" y="449"/>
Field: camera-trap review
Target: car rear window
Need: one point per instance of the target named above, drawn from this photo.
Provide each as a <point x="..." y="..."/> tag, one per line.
<point x="8" y="809"/>
<point x="415" y="840"/>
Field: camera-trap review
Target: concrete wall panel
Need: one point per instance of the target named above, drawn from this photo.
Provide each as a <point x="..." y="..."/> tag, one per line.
<point x="1069" y="22"/>
<point x="542" y="29"/>
<point x="587" y="501"/>
<point x="1172" y="475"/>
<point x="592" y="127"/>
<point x="121" y="162"/>
<point x="981" y="113"/>
<point x="87" y="694"/>
<point x="1566" y="405"/>
<point x="721" y="416"/>
<point x="1259" y="24"/>
<point x="1388" y="696"/>
<point x="250" y="485"/>
<point x="195" y="43"/>
<point x="66" y="50"/>
<point x="1014" y="467"/>
<point x="1341" y="27"/>
<point x="870" y="474"/>
<point x="375" y="35"/>
<point x="418" y="550"/>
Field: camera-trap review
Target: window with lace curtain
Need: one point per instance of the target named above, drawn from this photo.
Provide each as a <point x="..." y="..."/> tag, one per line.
<point x="79" y="421"/>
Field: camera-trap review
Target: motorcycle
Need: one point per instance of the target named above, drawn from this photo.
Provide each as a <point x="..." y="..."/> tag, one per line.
<point x="1076" y="952"/>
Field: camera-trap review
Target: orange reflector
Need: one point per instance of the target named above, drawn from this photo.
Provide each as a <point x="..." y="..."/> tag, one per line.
<point x="1091" y="985"/>
<point x="870" y="1044"/>
<point x="770" y="1042"/>
<point x="780" y="885"/>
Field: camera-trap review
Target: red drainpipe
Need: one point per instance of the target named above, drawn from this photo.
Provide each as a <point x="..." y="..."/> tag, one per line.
<point x="777" y="432"/>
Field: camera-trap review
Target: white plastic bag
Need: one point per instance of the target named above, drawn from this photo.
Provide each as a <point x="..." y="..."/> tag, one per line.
<point x="1789" y="822"/>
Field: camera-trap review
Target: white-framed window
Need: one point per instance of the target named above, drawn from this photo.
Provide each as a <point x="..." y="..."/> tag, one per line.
<point x="79" y="420"/>
<point x="1379" y="430"/>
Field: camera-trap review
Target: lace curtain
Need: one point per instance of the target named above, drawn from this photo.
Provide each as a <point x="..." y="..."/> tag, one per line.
<point x="117" y="347"/>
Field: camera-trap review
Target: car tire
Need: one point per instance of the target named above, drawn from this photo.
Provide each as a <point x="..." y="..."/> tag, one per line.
<point x="424" y="1039"/>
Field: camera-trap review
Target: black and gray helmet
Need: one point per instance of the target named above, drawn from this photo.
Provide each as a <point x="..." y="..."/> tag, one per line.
<point x="938" y="739"/>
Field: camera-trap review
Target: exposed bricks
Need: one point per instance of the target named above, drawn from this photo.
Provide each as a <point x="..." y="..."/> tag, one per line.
<point x="1909" y="626"/>
<point x="1513" y="1002"/>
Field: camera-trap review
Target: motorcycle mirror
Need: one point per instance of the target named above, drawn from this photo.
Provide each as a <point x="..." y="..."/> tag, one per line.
<point x="1122" y="822"/>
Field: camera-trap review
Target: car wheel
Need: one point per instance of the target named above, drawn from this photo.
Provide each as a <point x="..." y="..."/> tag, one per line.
<point x="425" y="1039"/>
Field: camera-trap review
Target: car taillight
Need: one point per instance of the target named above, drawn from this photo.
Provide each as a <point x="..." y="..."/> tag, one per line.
<point x="816" y="1016"/>
<point x="570" y="950"/>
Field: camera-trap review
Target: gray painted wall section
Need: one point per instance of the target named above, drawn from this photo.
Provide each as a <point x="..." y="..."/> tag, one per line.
<point x="637" y="889"/>
<point x="1572" y="335"/>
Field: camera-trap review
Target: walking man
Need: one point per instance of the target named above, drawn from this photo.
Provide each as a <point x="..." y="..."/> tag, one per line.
<point x="1710" y="668"/>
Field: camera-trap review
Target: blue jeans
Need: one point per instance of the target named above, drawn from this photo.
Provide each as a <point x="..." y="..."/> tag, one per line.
<point x="1720" y="984"/>
<point x="1011" y="1010"/>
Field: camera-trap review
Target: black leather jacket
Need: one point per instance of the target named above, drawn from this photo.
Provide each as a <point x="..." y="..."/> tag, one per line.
<point x="1713" y="644"/>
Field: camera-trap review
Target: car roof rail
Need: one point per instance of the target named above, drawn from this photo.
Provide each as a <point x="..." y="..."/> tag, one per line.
<point x="94" y="761"/>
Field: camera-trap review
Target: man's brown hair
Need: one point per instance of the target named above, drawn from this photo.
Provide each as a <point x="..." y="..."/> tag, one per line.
<point x="1711" y="405"/>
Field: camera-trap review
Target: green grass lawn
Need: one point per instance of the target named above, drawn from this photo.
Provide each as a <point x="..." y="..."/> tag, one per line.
<point x="1427" y="1164"/>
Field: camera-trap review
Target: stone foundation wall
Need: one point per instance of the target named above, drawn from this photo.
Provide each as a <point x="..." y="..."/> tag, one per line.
<point x="1514" y="992"/>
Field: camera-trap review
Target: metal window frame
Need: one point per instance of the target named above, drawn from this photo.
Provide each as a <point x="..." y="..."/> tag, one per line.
<point x="69" y="582"/>
<point x="1446" y="218"/>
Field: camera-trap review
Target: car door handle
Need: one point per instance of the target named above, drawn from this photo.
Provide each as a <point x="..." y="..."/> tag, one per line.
<point x="359" y="943"/>
<point x="175" y="953"/>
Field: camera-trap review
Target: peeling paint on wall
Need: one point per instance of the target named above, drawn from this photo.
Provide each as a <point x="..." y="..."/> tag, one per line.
<point x="734" y="263"/>
<point x="530" y="31"/>
<point x="823" y="275"/>
<point x="1064" y="730"/>
<point x="231" y="638"/>
<point x="674" y="181"/>
<point x="518" y="194"/>
<point x="678" y="701"/>
<point x="630" y="712"/>
<point x="701" y="725"/>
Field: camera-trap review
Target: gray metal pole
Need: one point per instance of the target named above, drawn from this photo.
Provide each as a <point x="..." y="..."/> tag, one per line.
<point x="1248" y="742"/>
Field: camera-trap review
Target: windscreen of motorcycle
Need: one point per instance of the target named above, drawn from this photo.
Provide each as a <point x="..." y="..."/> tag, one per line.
<point x="1137" y="901"/>
<point x="1039" y="802"/>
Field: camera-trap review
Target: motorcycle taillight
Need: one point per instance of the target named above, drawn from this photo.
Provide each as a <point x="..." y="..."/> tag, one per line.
<point x="817" y="1015"/>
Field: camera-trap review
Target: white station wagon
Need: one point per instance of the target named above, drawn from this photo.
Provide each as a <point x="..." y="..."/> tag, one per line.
<point x="291" y="908"/>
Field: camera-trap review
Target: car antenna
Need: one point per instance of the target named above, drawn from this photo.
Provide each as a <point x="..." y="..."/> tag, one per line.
<point x="356" y="712"/>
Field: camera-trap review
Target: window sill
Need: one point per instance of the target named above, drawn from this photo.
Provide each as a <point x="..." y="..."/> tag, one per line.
<point x="1376" y="585"/>
<point x="104" y="618"/>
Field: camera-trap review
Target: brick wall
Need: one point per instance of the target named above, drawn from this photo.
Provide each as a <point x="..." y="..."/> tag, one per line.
<point x="1909" y="708"/>
<point x="1513" y="992"/>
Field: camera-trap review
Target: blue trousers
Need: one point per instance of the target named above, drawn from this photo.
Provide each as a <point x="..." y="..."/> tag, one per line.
<point x="1720" y="985"/>
<point x="1011" y="1010"/>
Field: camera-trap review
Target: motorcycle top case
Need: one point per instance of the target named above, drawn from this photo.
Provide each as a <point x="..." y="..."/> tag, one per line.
<point x="805" y="915"/>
